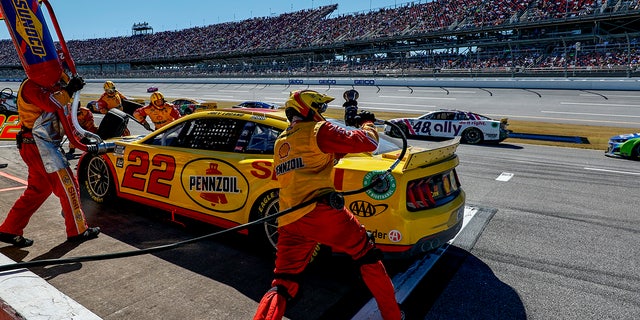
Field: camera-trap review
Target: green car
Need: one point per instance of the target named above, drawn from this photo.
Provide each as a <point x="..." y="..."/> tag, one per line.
<point x="624" y="146"/>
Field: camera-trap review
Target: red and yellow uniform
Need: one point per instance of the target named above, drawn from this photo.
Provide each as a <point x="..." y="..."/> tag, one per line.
<point x="304" y="156"/>
<point x="109" y="101"/>
<point x="159" y="111"/>
<point x="49" y="169"/>
<point x="111" y="98"/>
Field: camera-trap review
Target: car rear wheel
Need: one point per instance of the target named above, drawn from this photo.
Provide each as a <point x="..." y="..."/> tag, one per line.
<point x="265" y="234"/>
<point x="472" y="136"/>
<point x="96" y="179"/>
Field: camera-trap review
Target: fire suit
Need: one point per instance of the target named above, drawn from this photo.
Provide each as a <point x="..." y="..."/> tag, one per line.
<point x="39" y="143"/>
<point x="107" y="102"/>
<point x="159" y="115"/>
<point x="304" y="157"/>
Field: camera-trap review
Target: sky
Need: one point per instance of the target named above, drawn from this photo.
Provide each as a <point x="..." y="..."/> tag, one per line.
<point x="89" y="19"/>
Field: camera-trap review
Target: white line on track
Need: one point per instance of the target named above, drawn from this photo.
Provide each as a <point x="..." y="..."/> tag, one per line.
<point x="613" y="171"/>
<point x="421" y="98"/>
<point x="592" y="114"/>
<point x="600" y="104"/>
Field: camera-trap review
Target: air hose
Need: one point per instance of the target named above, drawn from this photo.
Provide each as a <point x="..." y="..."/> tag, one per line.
<point x="123" y="254"/>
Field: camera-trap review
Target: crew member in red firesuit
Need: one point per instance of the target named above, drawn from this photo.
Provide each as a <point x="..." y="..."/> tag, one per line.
<point x="39" y="143"/>
<point x="305" y="154"/>
<point x="86" y="121"/>
<point x="159" y="111"/>
<point x="111" y="98"/>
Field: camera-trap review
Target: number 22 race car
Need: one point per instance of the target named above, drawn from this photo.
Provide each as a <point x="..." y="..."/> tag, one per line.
<point x="217" y="167"/>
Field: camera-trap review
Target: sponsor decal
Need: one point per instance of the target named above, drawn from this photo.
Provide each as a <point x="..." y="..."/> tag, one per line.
<point x="426" y="127"/>
<point x="29" y="28"/>
<point x="395" y="236"/>
<point x="296" y="81"/>
<point x="364" y="82"/>
<point x="215" y="184"/>
<point x="378" y="234"/>
<point x="120" y="162"/>
<point x="9" y="126"/>
<point x="366" y="209"/>
<point x="383" y="189"/>
<point x="326" y="81"/>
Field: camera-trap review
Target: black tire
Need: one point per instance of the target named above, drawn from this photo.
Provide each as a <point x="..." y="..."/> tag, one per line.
<point x="635" y="152"/>
<point x="96" y="179"/>
<point x="129" y="107"/>
<point x="113" y="124"/>
<point x="265" y="235"/>
<point x="472" y="136"/>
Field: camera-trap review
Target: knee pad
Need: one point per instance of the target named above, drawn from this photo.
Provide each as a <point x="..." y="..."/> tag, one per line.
<point x="283" y="283"/>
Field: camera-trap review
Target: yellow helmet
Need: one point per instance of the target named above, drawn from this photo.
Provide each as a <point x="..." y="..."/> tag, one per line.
<point x="307" y="103"/>
<point x="109" y="86"/>
<point x="156" y="96"/>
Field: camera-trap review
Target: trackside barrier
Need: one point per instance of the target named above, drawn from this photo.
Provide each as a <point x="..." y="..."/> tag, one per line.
<point x="618" y="84"/>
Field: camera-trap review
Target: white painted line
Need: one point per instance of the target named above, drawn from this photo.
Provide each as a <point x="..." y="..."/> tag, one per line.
<point x="406" y="282"/>
<point x="34" y="298"/>
<point x="600" y="104"/>
<point x="505" y="176"/>
<point x="421" y="98"/>
<point x="613" y="171"/>
<point x="592" y="114"/>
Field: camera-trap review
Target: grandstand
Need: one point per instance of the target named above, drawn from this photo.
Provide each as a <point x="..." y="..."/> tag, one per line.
<point x="513" y="38"/>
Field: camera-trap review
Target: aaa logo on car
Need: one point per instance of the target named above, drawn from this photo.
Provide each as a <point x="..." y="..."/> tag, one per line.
<point x="215" y="185"/>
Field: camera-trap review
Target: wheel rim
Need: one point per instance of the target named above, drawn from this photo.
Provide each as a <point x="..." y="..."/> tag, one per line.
<point x="98" y="177"/>
<point x="472" y="136"/>
<point x="271" y="227"/>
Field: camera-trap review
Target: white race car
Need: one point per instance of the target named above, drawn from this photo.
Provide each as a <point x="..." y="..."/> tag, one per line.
<point x="471" y="127"/>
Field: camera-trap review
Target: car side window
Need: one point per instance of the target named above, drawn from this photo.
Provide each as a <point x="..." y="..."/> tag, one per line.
<point x="215" y="134"/>
<point x="257" y="138"/>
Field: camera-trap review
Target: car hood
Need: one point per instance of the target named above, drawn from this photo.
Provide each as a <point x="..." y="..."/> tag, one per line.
<point x="626" y="136"/>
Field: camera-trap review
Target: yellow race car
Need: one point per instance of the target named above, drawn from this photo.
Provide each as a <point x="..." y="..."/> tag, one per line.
<point x="217" y="167"/>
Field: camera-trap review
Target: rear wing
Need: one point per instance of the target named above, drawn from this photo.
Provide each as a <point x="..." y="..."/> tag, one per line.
<point x="441" y="151"/>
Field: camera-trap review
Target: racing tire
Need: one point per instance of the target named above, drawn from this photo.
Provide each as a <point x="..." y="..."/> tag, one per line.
<point x="129" y="107"/>
<point x="635" y="152"/>
<point x="265" y="235"/>
<point x="472" y="136"/>
<point x="113" y="124"/>
<point x="96" y="179"/>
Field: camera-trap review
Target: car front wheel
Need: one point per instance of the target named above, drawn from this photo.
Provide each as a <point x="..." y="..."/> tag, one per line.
<point x="97" y="180"/>
<point x="265" y="234"/>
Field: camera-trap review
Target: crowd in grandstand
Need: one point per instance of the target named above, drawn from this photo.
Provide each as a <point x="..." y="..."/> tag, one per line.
<point x="319" y="27"/>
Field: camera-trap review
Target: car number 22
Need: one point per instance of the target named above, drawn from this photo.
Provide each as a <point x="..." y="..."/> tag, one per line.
<point x="160" y="169"/>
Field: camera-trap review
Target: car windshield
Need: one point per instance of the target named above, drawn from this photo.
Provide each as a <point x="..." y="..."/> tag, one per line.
<point x="384" y="145"/>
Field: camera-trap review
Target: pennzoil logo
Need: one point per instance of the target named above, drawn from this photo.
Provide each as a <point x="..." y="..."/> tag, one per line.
<point x="215" y="184"/>
<point x="29" y="27"/>
<point x="365" y="209"/>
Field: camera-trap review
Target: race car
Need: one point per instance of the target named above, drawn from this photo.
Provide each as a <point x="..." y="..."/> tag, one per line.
<point x="256" y="104"/>
<point x="471" y="127"/>
<point x="217" y="167"/>
<point x="624" y="146"/>
<point x="8" y="102"/>
<point x="152" y="89"/>
<point x="188" y="106"/>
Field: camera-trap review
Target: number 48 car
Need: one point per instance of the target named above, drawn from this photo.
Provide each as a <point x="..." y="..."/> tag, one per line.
<point x="471" y="127"/>
<point x="217" y="167"/>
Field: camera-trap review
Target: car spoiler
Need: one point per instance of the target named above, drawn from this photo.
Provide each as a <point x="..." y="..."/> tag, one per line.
<point x="441" y="151"/>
